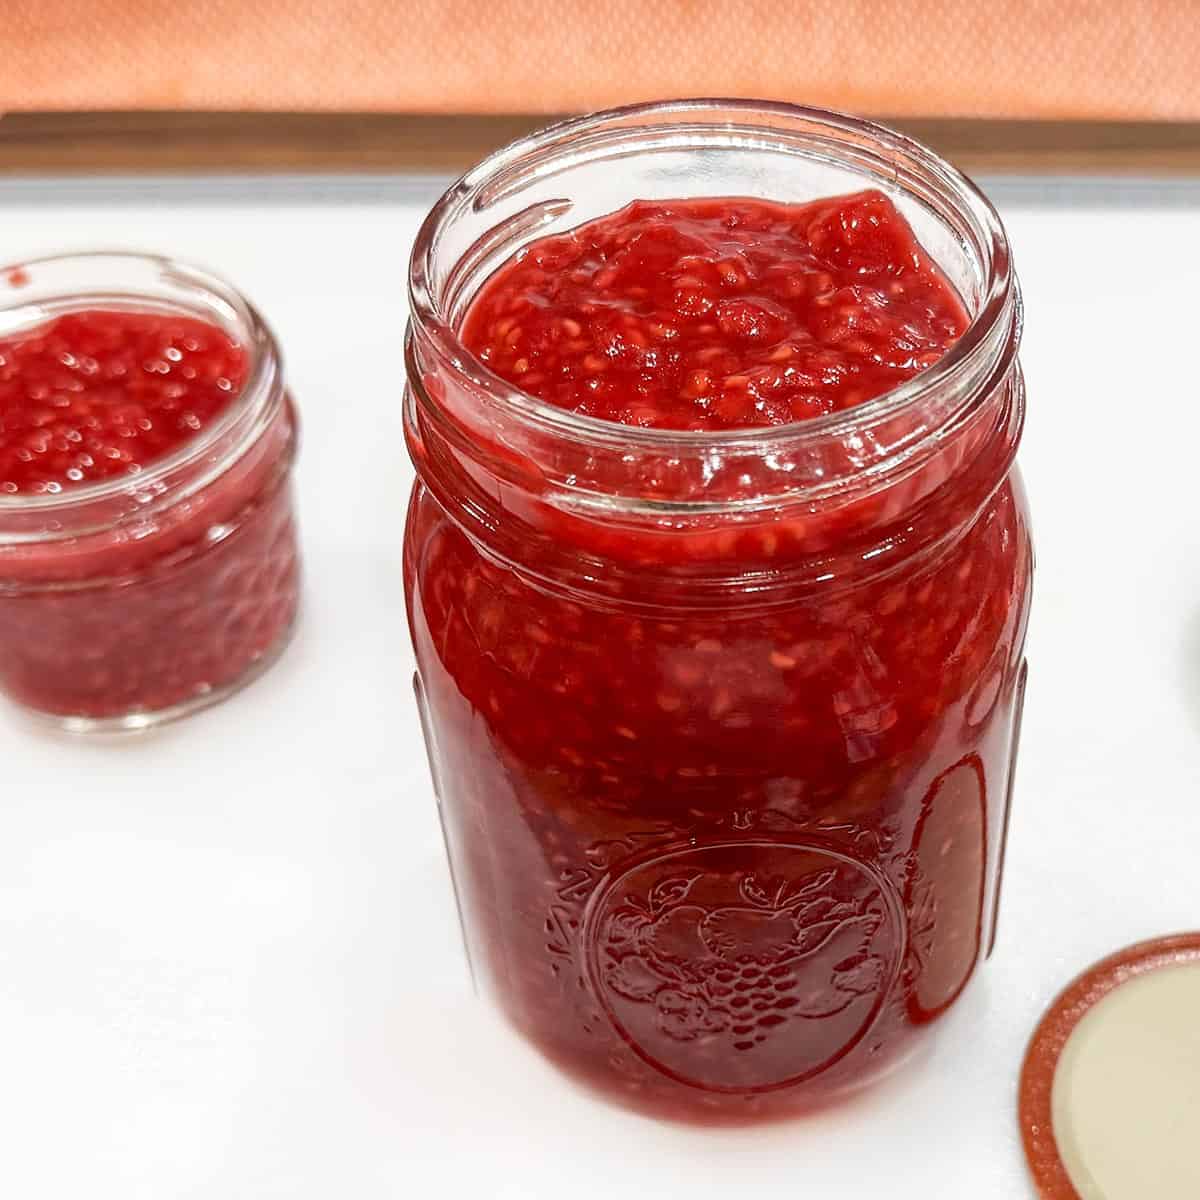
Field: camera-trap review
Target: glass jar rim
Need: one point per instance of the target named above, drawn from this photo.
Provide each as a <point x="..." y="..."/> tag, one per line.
<point x="972" y="354"/>
<point x="245" y="323"/>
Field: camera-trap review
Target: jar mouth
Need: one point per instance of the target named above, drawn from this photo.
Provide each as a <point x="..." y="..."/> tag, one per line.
<point x="54" y="285"/>
<point x="894" y="160"/>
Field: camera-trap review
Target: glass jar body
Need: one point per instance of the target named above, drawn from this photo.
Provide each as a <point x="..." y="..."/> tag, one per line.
<point x="725" y="864"/>
<point x="722" y="725"/>
<point x="127" y="604"/>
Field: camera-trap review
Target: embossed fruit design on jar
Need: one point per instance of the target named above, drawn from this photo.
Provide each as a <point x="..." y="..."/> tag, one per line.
<point x="718" y="572"/>
<point x="148" y="558"/>
<point x="719" y="957"/>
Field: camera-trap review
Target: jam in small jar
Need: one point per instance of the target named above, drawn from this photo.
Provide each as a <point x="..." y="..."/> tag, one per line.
<point x="718" y="572"/>
<point x="148" y="557"/>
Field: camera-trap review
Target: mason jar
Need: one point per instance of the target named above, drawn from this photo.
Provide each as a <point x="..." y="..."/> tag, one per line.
<point x="159" y="588"/>
<point x="722" y="723"/>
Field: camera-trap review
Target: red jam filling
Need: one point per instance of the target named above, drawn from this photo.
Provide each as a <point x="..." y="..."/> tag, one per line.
<point x="120" y="621"/>
<point x="98" y="394"/>
<point x="712" y="314"/>
<point x="723" y="861"/>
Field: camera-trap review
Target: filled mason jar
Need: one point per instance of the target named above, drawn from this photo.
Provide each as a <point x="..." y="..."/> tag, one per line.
<point x="721" y="697"/>
<point x="148" y="556"/>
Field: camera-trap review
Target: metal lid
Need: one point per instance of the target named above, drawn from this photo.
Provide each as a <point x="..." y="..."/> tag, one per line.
<point x="1110" y="1089"/>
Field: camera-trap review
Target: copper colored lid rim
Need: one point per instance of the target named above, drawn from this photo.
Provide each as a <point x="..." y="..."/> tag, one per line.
<point x="1050" y="1037"/>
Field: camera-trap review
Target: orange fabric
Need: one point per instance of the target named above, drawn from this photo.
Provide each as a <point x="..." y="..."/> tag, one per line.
<point x="1027" y="58"/>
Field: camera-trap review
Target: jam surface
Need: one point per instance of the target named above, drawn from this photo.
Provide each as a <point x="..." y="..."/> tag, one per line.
<point x="107" y="626"/>
<point x="97" y="394"/>
<point x="723" y="862"/>
<point x="709" y="314"/>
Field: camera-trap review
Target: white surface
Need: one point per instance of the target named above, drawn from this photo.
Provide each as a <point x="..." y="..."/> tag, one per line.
<point x="229" y="966"/>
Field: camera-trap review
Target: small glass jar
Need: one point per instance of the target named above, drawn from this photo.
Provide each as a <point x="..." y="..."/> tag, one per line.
<point x="138" y="599"/>
<point x="722" y="724"/>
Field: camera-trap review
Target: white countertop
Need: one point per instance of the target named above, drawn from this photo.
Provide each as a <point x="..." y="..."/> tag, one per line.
<point x="229" y="965"/>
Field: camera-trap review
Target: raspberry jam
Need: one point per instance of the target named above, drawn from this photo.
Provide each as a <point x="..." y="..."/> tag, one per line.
<point x="94" y="394"/>
<point x="718" y="575"/>
<point x="717" y="314"/>
<point x="147" y="550"/>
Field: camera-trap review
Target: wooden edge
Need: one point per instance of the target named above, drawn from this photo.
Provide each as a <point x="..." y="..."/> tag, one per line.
<point x="99" y="143"/>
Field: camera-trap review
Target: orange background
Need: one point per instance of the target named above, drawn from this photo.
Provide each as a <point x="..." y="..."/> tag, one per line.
<point x="1026" y="58"/>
